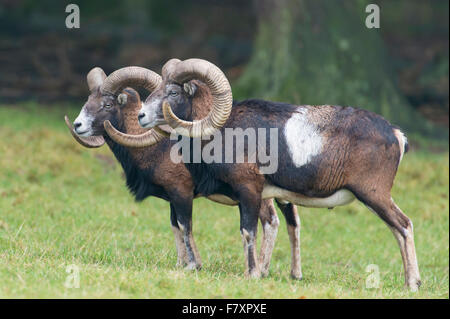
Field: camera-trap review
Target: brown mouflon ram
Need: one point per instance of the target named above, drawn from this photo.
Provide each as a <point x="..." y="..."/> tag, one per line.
<point x="327" y="155"/>
<point x="149" y="170"/>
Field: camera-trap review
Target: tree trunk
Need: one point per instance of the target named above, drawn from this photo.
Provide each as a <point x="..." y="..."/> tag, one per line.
<point x="321" y="52"/>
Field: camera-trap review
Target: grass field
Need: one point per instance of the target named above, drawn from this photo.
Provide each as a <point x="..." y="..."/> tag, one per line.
<point x="62" y="204"/>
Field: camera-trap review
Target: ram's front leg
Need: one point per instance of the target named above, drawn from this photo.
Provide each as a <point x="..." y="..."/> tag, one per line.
<point x="179" y="241"/>
<point x="183" y="210"/>
<point x="249" y="206"/>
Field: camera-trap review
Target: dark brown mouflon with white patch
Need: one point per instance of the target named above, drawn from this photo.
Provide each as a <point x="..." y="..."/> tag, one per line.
<point x="327" y="155"/>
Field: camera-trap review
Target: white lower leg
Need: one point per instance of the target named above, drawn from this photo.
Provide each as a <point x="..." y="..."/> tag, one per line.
<point x="192" y="255"/>
<point x="294" y="238"/>
<point x="181" y="248"/>
<point x="251" y="264"/>
<point x="408" y="251"/>
<point x="270" y="230"/>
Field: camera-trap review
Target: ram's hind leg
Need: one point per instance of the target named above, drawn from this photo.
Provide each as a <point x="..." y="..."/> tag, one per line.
<point x="270" y="222"/>
<point x="293" y="227"/>
<point x="402" y="228"/>
<point x="405" y="239"/>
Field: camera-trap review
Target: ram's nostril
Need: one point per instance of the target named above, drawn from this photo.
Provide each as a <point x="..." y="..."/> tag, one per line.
<point x="141" y="115"/>
<point x="76" y="124"/>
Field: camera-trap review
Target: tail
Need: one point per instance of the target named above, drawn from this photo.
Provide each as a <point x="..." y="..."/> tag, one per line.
<point x="402" y="141"/>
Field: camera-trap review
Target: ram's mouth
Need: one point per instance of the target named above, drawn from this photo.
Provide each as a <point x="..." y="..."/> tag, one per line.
<point x="84" y="134"/>
<point x="152" y="124"/>
<point x="145" y="124"/>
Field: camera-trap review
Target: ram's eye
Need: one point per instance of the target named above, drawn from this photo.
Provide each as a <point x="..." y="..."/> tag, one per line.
<point x="173" y="93"/>
<point x="107" y="105"/>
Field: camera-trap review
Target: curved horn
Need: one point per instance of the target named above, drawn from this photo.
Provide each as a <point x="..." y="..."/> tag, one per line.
<point x="95" y="78"/>
<point x="90" y="142"/>
<point x="169" y="67"/>
<point x="131" y="76"/>
<point x="213" y="77"/>
<point x="148" y="138"/>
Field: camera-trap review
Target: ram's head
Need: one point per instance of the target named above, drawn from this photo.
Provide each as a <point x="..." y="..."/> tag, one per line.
<point x="175" y="95"/>
<point x="104" y="105"/>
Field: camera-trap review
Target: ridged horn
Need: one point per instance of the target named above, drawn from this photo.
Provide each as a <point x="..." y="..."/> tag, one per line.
<point x="148" y="138"/>
<point x="183" y="71"/>
<point x="90" y="142"/>
<point x="132" y="76"/>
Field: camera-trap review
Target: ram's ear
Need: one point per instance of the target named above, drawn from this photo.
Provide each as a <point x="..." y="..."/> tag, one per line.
<point x="190" y="88"/>
<point x="122" y="99"/>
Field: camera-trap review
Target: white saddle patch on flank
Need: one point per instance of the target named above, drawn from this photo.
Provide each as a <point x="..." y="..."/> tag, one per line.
<point x="302" y="138"/>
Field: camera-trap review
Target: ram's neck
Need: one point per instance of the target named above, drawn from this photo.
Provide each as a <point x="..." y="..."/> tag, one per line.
<point x="138" y="183"/>
<point x="201" y="103"/>
<point x="130" y="157"/>
<point x="118" y="150"/>
<point x="130" y="119"/>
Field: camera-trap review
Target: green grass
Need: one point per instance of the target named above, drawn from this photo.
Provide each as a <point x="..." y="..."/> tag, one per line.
<point x="62" y="204"/>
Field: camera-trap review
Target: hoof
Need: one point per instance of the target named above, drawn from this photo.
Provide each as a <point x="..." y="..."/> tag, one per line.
<point x="254" y="274"/>
<point x="192" y="266"/>
<point x="264" y="268"/>
<point x="414" y="285"/>
<point x="296" y="276"/>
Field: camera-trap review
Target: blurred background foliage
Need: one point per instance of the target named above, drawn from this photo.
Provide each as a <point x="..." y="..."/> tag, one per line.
<point x="297" y="51"/>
